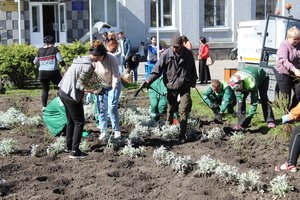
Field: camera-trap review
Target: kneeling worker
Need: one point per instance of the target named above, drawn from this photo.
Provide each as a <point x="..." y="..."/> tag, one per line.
<point x="219" y="97"/>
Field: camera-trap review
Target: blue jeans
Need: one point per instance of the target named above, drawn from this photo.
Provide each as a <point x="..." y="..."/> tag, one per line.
<point x="121" y="64"/>
<point x="107" y="104"/>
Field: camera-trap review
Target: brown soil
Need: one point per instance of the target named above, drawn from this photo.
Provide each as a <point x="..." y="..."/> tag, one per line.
<point x="107" y="175"/>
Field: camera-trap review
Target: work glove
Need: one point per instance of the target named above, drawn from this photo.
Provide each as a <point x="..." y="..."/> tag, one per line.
<point x="214" y="106"/>
<point x="285" y="119"/>
<point x="218" y="118"/>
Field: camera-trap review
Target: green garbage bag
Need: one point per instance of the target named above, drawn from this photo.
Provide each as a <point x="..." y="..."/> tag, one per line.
<point x="54" y="116"/>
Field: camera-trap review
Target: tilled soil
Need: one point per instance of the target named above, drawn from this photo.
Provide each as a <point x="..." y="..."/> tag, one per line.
<point x="105" y="174"/>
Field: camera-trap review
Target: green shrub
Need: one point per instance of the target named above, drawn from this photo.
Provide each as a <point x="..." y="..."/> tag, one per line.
<point x="16" y="63"/>
<point x="71" y="51"/>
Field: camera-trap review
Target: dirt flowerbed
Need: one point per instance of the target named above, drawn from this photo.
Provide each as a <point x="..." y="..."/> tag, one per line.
<point x="105" y="174"/>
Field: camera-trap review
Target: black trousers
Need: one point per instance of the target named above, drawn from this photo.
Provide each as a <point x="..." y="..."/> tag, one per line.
<point x="265" y="104"/>
<point x="204" y="73"/>
<point x="75" y="120"/>
<point x="286" y="84"/>
<point x="294" y="148"/>
<point x="45" y="78"/>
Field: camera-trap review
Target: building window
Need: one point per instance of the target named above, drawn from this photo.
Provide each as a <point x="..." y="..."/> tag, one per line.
<point x="165" y="8"/>
<point x="214" y="13"/>
<point x="265" y="7"/>
<point x="105" y="11"/>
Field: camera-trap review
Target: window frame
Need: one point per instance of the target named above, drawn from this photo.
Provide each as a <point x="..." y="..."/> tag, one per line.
<point x="106" y="12"/>
<point x="161" y="15"/>
<point x="215" y="15"/>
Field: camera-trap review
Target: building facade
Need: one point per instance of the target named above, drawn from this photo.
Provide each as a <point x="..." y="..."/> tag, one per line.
<point x="68" y="20"/>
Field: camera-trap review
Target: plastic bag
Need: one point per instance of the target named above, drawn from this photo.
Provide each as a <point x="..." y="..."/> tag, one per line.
<point x="209" y="61"/>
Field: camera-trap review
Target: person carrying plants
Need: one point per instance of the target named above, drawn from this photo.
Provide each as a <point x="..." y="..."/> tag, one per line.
<point x="71" y="92"/>
<point x="254" y="81"/>
<point x="177" y="67"/>
<point x="219" y="97"/>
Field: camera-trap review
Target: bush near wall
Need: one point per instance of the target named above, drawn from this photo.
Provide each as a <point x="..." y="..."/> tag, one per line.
<point x="71" y="51"/>
<point x="16" y="63"/>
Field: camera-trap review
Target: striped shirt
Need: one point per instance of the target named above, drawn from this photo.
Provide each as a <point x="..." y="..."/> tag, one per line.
<point x="47" y="59"/>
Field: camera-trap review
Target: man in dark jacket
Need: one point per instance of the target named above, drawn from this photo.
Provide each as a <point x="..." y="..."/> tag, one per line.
<point x="177" y="66"/>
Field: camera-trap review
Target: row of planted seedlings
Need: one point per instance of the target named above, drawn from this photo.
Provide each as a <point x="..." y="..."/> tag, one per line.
<point x="144" y="128"/>
<point x="205" y="166"/>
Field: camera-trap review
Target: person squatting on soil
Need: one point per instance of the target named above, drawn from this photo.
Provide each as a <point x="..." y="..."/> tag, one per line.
<point x="107" y="70"/>
<point x="294" y="151"/>
<point x="203" y="54"/>
<point x="46" y="61"/>
<point x="219" y="97"/>
<point x="71" y="92"/>
<point x="158" y="99"/>
<point x="177" y="66"/>
<point x="131" y="65"/>
<point x="287" y="70"/>
<point x="251" y="80"/>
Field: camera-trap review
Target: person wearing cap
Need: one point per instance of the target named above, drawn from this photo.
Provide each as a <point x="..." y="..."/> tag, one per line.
<point x="219" y="97"/>
<point x="71" y="91"/>
<point x="254" y="81"/>
<point x="47" y="60"/>
<point x="177" y="67"/>
<point x="107" y="102"/>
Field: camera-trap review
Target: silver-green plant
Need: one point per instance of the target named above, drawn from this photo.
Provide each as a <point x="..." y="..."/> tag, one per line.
<point x="236" y="140"/>
<point x="138" y="116"/>
<point x="13" y="117"/>
<point x="163" y="157"/>
<point x="167" y="132"/>
<point x="89" y="111"/>
<point x="34" y="149"/>
<point x="8" y="146"/>
<point x="249" y="181"/>
<point x="84" y="146"/>
<point x="206" y="166"/>
<point x="132" y="152"/>
<point x="227" y="173"/>
<point x="182" y="164"/>
<point x="57" y="147"/>
<point x="280" y="185"/>
<point x="215" y="133"/>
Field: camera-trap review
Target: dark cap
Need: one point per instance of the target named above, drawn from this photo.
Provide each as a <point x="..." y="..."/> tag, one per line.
<point x="176" y="41"/>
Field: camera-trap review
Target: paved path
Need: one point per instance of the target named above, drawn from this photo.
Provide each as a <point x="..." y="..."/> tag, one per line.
<point x="216" y="70"/>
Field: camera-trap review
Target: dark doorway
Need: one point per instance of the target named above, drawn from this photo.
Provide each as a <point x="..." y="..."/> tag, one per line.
<point x="48" y="20"/>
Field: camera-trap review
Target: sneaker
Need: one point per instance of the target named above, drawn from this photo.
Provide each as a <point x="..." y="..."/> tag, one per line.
<point x="117" y="134"/>
<point x="286" y="167"/>
<point x="271" y="125"/>
<point x="77" y="154"/>
<point x="67" y="150"/>
<point x="103" y="135"/>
